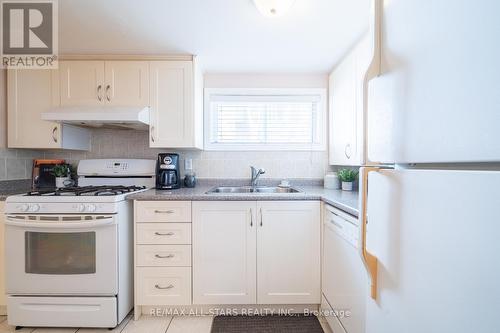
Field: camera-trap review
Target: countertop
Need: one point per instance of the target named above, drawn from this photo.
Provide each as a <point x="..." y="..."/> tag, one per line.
<point x="11" y="187"/>
<point x="343" y="200"/>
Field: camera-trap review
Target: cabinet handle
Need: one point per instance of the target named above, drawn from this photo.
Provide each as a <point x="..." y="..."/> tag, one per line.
<point x="99" y="95"/>
<point x="162" y="234"/>
<point x="260" y="216"/>
<point x="152" y="134"/>
<point x="164" y="257"/>
<point x="164" y="211"/>
<point x="167" y="287"/>
<point x="347" y="151"/>
<point x="107" y="93"/>
<point x="251" y="218"/>
<point x="54" y="134"/>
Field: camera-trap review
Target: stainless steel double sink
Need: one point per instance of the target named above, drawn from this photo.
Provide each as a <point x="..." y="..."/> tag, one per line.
<point x="250" y="189"/>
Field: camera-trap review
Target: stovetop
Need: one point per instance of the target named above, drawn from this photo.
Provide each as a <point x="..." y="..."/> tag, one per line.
<point x="103" y="190"/>
<point x="71" y="200"/>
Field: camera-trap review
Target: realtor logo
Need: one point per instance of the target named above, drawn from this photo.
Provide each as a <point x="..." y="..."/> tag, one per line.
<point x="29" y="34"/>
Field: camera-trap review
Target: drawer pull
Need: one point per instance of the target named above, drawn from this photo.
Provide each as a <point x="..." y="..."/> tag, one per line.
<point x="162" y="234"/>
<point x="164" y="257"/>
<point x="167" y="287"/>
<point x="163" y="211"/>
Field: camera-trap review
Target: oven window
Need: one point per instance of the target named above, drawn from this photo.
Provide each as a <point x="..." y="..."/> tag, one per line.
<point x="60" y="253"/>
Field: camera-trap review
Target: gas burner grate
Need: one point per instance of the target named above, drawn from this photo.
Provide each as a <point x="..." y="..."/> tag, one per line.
<point x="88" y="190"/>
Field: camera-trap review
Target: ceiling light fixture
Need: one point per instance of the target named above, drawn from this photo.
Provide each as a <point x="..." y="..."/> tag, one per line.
<point x="273" y="8"/>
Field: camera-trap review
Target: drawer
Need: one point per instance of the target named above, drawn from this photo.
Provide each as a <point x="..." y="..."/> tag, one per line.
<point x="163" y="233"/>
<point x="163" y="211"/>
<point x="163" y="285"/>
<point x="164" y="255"/>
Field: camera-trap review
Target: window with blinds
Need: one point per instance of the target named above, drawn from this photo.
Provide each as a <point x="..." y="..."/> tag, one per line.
<point x="264" y="120"/>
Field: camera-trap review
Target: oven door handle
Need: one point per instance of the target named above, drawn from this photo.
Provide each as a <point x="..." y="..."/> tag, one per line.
<point x="60" y="225"/>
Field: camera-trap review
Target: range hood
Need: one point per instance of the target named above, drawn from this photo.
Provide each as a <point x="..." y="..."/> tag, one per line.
<point x="122" y="117"/>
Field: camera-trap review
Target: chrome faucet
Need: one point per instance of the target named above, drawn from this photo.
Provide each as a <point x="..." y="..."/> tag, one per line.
<point x="255" y="175"/>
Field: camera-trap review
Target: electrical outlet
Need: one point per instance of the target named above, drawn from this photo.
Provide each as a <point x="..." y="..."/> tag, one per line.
<point x="188" y="164"/>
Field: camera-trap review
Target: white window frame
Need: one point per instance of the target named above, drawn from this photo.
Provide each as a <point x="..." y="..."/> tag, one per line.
<point x="321" y="119"/>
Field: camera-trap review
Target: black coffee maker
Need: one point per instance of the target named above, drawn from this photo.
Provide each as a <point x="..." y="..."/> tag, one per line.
<point x="167" y="172"/>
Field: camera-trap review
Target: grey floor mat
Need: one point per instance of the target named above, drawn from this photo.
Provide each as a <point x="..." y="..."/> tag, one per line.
<point x="266" y="324"/>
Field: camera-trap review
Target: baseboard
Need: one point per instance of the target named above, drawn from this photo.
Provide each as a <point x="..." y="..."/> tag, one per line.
<point x="3" y="310"/>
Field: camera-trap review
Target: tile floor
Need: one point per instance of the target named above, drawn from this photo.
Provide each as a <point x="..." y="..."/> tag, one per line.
<point x="178" y="324"/>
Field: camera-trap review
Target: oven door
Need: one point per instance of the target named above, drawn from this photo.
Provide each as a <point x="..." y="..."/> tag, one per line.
<point x="61" y="255"/>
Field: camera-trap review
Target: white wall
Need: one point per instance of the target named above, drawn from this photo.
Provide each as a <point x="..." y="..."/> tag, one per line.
<point x="266" y="81"/>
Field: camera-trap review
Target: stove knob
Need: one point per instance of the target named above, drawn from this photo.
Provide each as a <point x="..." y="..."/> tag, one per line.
<point x="80" y="208"/>
<point x="24" y="208"/>
<point x="35" y="208"/>
<point x="91" y="208"/>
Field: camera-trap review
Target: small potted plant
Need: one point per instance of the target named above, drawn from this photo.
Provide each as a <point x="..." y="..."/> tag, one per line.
<point x="62" y="172"/>
<point x="347" y="177"/>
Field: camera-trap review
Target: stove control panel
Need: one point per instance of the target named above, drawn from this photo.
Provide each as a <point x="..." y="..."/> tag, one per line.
<point x="61" y="208"/>
<point x="117" y="166"/>
<point x="89" y="208"/>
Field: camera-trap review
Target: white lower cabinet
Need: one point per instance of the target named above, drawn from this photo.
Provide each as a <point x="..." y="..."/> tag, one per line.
<point x="288" y="252"/>
<point x="162" y="254"/>
<point x="224" y="252"/>
<point x="163" y="233"/>
<point x="163" y="285"/>
<point x="264" y="252"/>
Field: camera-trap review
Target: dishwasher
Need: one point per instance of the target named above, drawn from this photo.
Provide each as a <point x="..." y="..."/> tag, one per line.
<point x="344" y="277"/>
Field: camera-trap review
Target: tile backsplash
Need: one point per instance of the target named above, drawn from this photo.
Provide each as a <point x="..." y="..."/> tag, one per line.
<point x="16" y="163"/>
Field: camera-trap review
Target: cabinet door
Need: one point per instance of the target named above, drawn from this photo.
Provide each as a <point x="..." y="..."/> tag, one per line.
<point x="288" y="252"/>
<point x="343" y="127"/>
<point x="82" y="83"/>
<point x="30" y="93"/>
<point x="172" y="104"/>
<point x="224" y="255"/>
<point x="127" y="83"/>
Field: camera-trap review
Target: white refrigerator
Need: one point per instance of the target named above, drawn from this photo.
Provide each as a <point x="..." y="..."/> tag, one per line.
<point x="430" y="184"/>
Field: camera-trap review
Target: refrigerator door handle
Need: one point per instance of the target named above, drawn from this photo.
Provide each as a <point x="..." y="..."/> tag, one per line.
<point x="369" y="260"/>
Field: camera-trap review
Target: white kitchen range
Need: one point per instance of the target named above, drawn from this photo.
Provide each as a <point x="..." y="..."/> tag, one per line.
<point x="69" y="251"/>
<point x="215" y="166"/>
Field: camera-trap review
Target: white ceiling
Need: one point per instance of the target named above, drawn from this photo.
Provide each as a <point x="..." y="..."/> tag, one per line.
<point x="227" y="35"/>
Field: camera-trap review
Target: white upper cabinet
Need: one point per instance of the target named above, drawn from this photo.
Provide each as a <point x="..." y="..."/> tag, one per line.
<point x="288" y="252"/>
<point x="126" y="83"/>
<point x="95" y="82"/>
<point x="342" y="86"/>
<point x="82" y="83"/>
<point x="224" y="257"/>
<point x="29" y="94"/>
<point x="347" y="98"/>
<point x="171" y="86"/>
<point x="176" y="118"/>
